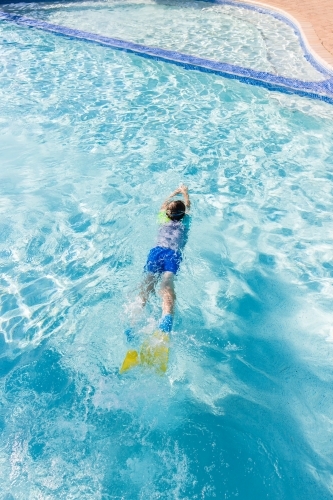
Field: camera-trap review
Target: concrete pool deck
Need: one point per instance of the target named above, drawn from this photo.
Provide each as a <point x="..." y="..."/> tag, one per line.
<point x="315" y="19"/>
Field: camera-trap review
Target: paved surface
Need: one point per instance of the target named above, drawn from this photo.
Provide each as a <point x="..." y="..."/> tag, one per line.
<point x="315" y="18"/>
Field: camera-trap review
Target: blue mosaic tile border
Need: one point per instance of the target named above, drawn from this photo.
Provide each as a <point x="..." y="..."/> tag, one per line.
<point x="316" y="90"/>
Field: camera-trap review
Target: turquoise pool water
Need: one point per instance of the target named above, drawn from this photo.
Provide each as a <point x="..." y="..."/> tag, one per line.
<point x="91" y="141"/>
<point x="222" y="33"/>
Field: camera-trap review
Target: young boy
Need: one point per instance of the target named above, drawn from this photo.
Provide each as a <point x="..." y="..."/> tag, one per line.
<point x="164" y="259"/>
<point x="163" y="262"/>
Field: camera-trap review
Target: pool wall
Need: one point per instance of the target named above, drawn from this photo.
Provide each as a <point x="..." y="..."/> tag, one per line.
<point x="322" y="90"/>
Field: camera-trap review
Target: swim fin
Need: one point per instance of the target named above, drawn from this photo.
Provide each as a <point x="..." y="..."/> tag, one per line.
<point x="154" y="353"/>
<point x="131" y="360"/>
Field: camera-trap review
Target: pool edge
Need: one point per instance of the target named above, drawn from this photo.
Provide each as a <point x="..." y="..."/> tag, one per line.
<point x="307" y="29"/>
<point x="322" y="90"/>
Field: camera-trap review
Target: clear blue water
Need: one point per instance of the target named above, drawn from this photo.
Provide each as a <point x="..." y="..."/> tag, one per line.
<point x="220" y="32"/>
<point x="91" y="141"/>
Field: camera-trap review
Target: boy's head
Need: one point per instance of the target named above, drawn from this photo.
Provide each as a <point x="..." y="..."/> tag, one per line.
<point x="175" y="210"/>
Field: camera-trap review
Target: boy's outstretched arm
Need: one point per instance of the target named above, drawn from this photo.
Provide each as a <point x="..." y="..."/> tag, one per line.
<point x="166" y="201"/>
<point x="184" y="191"/>
<point x="181" y="190"/>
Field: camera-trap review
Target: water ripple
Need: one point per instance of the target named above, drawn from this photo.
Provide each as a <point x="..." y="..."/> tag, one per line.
<point x="92" y="140"/>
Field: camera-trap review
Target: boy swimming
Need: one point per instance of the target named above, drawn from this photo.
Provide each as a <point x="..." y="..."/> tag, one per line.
<point x="163" y="262"/>
<point x="164" y="259"/>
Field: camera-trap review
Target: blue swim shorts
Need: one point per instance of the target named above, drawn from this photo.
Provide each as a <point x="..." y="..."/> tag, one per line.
<point x="162" y="259"/>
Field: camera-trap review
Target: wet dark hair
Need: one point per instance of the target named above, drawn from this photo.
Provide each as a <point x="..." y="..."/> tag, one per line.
<point x="176" y="210"/>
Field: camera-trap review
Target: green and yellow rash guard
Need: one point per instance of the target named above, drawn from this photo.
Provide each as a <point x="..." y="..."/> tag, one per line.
<point x="172" y="234"/>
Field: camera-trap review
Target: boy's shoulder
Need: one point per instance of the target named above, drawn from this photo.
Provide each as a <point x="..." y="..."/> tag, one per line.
<point x="162" y="218"/>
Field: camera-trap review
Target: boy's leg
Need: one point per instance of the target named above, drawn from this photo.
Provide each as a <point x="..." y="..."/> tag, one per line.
<point x="167" y="292"/>
<point x="147" y="287"/>
<point x="135" y="309"/>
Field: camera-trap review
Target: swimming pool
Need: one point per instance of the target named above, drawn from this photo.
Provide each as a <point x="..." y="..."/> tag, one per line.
<point x="221" y="32"/>
<point x="232" y="39"/>
<point x="92" y="139"/>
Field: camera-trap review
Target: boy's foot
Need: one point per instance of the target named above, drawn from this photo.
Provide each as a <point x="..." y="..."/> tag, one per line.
<point x="130" y="334"/>
<point x="166" y="323"/>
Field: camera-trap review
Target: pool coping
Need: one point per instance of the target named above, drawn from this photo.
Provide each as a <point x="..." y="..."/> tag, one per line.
<point x="301" y="17"/>
<point x="322" y="90"/>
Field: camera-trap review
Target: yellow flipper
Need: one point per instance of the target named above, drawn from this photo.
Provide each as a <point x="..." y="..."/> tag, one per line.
<point x="154" y="352"/>
<point x="131" y="360"/>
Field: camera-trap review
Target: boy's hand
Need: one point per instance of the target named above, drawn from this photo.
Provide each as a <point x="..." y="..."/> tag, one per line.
<point x="183" y="189"/>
